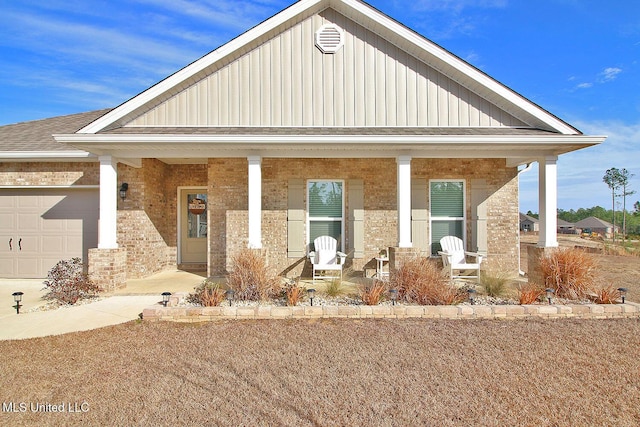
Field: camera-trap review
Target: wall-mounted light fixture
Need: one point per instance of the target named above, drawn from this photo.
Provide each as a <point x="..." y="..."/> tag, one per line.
<point x="123" y="190"/>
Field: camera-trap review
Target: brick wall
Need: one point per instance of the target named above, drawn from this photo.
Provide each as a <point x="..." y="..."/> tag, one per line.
<point x="49" y="173"/>
<point x="147" y="218"/>
<point x="228" y="192"/>
<point x="107" y="268"/>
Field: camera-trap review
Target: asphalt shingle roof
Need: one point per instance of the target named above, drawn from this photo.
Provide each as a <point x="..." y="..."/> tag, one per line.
<point x="593" y="222"/>
<point x="36" y="135"/>
<point x="355" y="131"/>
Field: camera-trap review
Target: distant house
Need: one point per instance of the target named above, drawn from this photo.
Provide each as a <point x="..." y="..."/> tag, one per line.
<point x="565" y="227"/>
<point x="529" y="223"/>
<point x="596" y="225"/>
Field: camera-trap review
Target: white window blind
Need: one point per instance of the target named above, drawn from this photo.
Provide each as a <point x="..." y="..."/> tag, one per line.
<point x="325" y="201"/>
<point x="447" y="211"/>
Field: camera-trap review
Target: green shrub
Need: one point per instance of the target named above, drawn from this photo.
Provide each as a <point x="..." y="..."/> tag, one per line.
<point x="68" y="282"/>
<point x="421" y="281"/>
<point x="334" y="288"/>
<point x="207" y="294"/>
<point x="251" y="279"/>
<point x="494" y="282"/>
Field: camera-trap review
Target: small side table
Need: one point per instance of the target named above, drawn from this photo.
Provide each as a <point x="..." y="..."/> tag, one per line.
<point x="381" y="273"/>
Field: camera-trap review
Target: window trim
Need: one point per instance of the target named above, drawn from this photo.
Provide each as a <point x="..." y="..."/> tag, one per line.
<point x="309" y="217"/>
<point x="447" y="218"/>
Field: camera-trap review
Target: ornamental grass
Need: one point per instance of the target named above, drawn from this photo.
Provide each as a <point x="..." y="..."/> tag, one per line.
<point x="251" y="279"/>
<point x="421" y="281"/>
<point x="571" y="272"/>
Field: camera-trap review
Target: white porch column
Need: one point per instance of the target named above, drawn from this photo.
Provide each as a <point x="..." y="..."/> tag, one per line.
<point x="255" y="202"/>
<point x="404" y="201"/>
<point x="107" y="233"/>
<point x="548" y="201"/>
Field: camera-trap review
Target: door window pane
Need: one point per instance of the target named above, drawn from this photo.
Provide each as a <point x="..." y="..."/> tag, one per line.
<point x="197" y="216"/>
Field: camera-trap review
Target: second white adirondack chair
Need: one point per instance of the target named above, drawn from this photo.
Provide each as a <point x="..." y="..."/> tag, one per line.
<point x="454" y="258"/>
<point x="326" y="257"/>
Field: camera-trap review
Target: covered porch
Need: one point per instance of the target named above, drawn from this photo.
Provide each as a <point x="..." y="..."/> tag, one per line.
<point x="256" y="182"/>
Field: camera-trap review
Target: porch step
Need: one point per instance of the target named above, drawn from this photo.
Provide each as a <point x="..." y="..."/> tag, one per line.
<point x="192" y="267"/>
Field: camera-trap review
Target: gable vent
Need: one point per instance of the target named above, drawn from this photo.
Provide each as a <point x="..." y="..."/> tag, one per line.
<point x="329" y="38"/>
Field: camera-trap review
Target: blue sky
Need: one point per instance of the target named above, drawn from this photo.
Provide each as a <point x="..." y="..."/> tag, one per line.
<point x="579" y="59"/>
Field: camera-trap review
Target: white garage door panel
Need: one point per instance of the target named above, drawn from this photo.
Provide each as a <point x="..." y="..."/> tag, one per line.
<point x="27" y="222"/>
<point x="49" y="225"/>
<point x="28" y="267"/>
<point x="52" y="244"/>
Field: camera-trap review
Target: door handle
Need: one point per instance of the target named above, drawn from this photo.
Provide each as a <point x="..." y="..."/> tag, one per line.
<point x="20" y="243"/>
<point x="10" y="245"/>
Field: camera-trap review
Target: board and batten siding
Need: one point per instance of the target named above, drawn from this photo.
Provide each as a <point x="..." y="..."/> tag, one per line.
<point x="288" y="81"/>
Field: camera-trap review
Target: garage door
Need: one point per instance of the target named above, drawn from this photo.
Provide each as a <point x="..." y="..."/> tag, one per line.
<point x="40" y="227"/>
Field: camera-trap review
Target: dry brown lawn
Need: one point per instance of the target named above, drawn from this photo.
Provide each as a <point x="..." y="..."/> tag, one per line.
<point x="332" y="373"/>
<point x="336" y="372"/>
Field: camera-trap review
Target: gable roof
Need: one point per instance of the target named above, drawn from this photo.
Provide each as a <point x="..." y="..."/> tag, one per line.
<point x="30" y="139"/>
<point x="524" y="217"/>
<point x="593" y="222"/>
<point x="369" y="18"/>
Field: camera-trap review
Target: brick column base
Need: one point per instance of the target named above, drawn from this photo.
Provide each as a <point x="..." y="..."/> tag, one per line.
<point x="534" y="255"/>
<point x="108" y="268"/>
<point x="398" y="256"/>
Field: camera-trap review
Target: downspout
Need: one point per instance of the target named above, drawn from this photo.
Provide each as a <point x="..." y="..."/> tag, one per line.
<point x="520" y="272"/>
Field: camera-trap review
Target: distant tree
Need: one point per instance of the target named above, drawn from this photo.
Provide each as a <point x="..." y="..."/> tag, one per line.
<point x="614" y="180"/>
<point x="625" y="176"/>
<point x="636" y="208"/>
<point x="532" y="215"/>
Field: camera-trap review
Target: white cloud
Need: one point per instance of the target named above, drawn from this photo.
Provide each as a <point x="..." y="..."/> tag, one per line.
<point x="610" y="73"/>
<point x="607" y="75"/>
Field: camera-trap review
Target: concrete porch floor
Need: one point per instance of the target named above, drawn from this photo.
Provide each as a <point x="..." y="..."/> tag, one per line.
<point x="165" y="281"/>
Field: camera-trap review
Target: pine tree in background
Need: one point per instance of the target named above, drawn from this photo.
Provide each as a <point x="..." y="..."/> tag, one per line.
<point x="613" y="179"/>
<point x="625" y="176"/>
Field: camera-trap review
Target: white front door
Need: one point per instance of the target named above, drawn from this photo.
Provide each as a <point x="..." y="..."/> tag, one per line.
<point x="193" y="225"/>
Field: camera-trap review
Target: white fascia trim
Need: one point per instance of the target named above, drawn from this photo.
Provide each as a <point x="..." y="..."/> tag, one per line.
<point x="50" y="187"/>
<point x="463" y="67"/>
<point x="45" y="155"/>
<point x="197" y="66"/>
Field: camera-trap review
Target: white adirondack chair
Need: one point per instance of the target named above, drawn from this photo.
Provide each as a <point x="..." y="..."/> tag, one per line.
<point x="454" y="258"/>
<point x="326" y="257"/>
